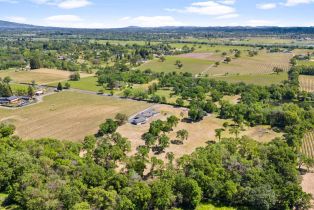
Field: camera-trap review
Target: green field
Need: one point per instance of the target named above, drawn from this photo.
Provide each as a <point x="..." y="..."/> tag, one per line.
<point x="258" y="79"/>
<point x="212" y="207"/>
<point x="87" y="83"/>
<point x="306" y="63"/>
<point x="192" y="65"/>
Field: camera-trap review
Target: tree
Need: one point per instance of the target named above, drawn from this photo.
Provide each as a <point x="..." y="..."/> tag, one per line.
<point x="196" y="114"/>
<point x="172" y="121"/>
<point x="59" y="87"/>
<point x="182" y="135"/>
<point x="162" y="194"/>
<point x="277" y="70"/>
<point x="35" y="63"/>
<point x="67" y="85"/>
<point x="235" y="129"/>
<point x="75" y="76"/>
<point x="164" y="142"/>
<point x="179" y="64"/>
<point x="189" y="191"/>
<point x="180" y="102"/>
<point x="6" y="130"/>
<point x="127" y="93"/>
<point x="121" y="118"/>
<point x="162" y="59"/>
<point x="109" y="127"/>
<point x="219" y="133"/>
<point x="217" y="63"/>
<point x="30" y="91"/>
<point x="139" y="193"/>
<point x="227" y="59"/>
<point x="7" y="79"/>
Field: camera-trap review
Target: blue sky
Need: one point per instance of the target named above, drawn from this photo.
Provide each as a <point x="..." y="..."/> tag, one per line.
<point x="121" y="13"/>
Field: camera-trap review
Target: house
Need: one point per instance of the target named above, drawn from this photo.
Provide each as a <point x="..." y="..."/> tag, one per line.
<point x="139" y="120"/>
<point x="39" y="92"/>
<point x="13" y="99"/>
<point x="3" y="100"/>
<point x="143" y="117"/>
<point x="9" y="100"/>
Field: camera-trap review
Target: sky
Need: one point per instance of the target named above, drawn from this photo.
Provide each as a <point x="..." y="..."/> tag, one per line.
<point x="155" y="13"/>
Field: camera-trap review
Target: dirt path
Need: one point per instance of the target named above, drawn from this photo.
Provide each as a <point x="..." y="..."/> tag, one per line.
<point x="308" y="185"/>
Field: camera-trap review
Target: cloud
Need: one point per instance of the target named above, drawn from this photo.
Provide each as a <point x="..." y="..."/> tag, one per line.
<point x="65" y="4"/>
<point x="150" y="21"/>
<point x="64" y="18"/>
<point x="210" y="8"/>
<point x="227" y="2"/>
<point x="290" y="3"/>
<point x="266" y="6"/>
<point x="16" y="19"/>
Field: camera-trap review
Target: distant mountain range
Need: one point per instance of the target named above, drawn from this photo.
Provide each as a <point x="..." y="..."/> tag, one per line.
<point x="6" y="25"/>
<point x="12" y="25"/>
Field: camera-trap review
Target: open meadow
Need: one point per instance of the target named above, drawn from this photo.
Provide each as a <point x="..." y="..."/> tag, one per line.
<point x="192" y="65"/>
<point x="67" y="115"/>
<point x="40" y="76"/>
<point x="263" y="63"/>
<point x="257" y="79"/>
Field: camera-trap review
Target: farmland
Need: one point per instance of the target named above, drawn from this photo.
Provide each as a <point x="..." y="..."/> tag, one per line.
<point x="308" y="145"/>
<point x="192" y="65"/>
<point x="307" y="83"/>
<point x="260" y="64"/>
<point x="257" y="79"/>
<point x="40" y="76"/>
<point x="67" y="115"/>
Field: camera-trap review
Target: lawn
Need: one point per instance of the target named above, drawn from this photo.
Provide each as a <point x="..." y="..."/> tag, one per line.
<point x="40" y="76"/>
<point x="87" y="83"/>
<point x="212" y="207"/>
<point x="258" y="79"/>
<point x="67" y="115"/>
<point x="192" y="65"/>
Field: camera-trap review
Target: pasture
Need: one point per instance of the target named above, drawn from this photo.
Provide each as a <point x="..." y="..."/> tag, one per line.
<point x="87" y="83"/>
<point x="40" y="76"/>
<point x="306" y="83"/>
<point x="192" y="65"/>
<point x="263" y="63"/>
<point x="257" y="79"/>
<point x="308" y="145"/>
<point x="67" y="115"/>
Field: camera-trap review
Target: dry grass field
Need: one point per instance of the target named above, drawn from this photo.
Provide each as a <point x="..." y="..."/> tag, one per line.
<point x="260" y="64"/>
<point x="67" y="115"/>
<point x="306" y="83"/>
<point x="308" y="185"/>
<point x="192" y="65"/>
<point x="199" y="133"/>
<point x="40" y="76"/>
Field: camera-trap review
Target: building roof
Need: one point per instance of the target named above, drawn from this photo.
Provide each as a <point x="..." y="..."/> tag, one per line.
<point x="138" y="120"/>
<point x="12" y="98"/>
